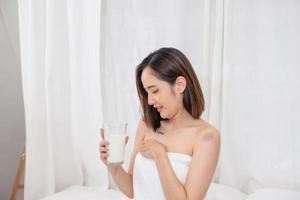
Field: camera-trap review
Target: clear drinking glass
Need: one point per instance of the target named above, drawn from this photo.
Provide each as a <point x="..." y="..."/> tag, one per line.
<point x="115" y="134"/>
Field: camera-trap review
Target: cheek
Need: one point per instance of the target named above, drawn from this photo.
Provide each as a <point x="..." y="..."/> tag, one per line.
<point x="173" y="104"/>
<point x="160" y="98"/>
<point x="167" y="99"/>
<point x="169" y="104"/>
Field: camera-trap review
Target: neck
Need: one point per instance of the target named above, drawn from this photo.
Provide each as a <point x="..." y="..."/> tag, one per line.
<point x="180" y="120"/>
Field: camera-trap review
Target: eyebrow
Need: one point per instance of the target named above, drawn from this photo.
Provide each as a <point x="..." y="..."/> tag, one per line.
<point x="150" y="86"/>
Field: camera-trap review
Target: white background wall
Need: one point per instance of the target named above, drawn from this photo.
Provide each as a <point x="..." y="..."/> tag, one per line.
<point x="12" y="125"/>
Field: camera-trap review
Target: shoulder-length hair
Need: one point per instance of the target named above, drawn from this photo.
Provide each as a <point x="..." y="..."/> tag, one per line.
<point x="168" y="64"/>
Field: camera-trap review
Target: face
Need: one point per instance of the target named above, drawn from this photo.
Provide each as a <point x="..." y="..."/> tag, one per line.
<point x="165" y="98"/>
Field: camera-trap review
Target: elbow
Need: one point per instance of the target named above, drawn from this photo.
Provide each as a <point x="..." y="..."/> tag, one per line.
<point x="128" y="191"/>
<point x="130" y="194"/>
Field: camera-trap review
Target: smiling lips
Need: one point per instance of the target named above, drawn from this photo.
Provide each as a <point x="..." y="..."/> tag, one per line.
<point x="158" y="108"/>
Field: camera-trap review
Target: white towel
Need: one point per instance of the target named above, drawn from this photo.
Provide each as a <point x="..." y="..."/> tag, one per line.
<point x="146" y="182"/>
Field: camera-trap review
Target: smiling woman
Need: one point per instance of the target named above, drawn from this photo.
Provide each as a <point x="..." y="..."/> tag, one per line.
<point x="175" y="152"/>
<point x="158" y="71"/>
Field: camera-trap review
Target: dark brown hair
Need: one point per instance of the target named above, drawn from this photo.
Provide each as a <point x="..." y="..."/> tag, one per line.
<point x="168" y="64"/>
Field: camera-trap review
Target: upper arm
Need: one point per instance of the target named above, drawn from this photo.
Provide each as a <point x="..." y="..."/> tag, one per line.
<point x="205" y="158"/>
<point x="139" y="137"/>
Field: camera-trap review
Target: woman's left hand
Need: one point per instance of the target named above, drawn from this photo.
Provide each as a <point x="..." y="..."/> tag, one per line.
<point x="151" y="148"/>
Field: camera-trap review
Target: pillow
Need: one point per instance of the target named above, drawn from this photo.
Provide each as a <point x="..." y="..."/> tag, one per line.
<point x="223" y="192"/>
<point x="274" y="194"/>
<point x="252" y="185"/>
<point x="94" y="171"/>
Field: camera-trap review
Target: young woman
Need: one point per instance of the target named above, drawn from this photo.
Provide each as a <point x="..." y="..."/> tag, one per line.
<point x="176" y="152"/>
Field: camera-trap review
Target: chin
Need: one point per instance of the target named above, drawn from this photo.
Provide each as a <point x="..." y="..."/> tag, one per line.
<point x="163" y="116"/>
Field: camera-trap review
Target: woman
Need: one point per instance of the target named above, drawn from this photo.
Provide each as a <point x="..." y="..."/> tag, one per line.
<point x="175" y="152"/>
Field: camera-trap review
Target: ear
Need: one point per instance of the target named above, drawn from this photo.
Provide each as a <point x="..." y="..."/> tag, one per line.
<point x="180" y="84"/>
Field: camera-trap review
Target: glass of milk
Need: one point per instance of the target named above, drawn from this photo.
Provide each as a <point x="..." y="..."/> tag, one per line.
<point x="115" y="134"/>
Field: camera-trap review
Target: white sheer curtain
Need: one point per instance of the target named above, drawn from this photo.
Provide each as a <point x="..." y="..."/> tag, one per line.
<point x="261" y="70"/>
<point x="78" y="63"/>
<point x="61" y="82"/>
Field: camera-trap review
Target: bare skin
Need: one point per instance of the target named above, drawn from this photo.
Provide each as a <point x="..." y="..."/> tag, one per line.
<point x="182" y="134"/>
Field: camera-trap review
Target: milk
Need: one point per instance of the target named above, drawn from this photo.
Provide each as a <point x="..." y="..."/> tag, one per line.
<point x="116" y="148"/>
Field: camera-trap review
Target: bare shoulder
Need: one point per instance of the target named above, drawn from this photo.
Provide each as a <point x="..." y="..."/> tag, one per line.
<point x="207" y="133"/>
<point x="206" y="151"/>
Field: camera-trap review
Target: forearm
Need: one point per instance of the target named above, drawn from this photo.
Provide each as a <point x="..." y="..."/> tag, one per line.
<point x="122" y="179"/>
<point x="173" y="189"/>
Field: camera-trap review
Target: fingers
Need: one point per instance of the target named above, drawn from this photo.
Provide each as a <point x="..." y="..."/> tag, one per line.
<point x="143" y="147"/>
<point x="103" y="146"/>
<point x="150" y="140"/>
<point x="102" y="133"/>
<point x="146" y="154"/>
<point x="103" y="158"/>
<point x="104" y="143"/>
<point x="103" y="149"/>
<point x="103" y="154"/>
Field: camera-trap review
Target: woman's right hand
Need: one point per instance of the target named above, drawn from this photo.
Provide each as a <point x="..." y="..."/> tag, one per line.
<point x="103" y="148"/>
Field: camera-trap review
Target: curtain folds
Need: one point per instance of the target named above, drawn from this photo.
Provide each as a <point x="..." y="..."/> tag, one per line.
<point x="78" y="68"/>
<point x="60" y="57"/>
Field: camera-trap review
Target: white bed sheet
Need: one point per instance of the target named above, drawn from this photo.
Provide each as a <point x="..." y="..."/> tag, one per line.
<point x="215" y="192"/>
<point x="87" y="193"/>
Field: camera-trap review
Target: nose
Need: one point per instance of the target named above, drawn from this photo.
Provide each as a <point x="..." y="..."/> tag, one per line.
<point x="151" y="100"/>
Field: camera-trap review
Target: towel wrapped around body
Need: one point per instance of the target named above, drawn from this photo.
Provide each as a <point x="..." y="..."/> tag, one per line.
<point x="146" y="181"/>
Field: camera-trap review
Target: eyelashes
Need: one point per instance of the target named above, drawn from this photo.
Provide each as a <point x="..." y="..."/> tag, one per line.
<point x="154" y="92"/>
